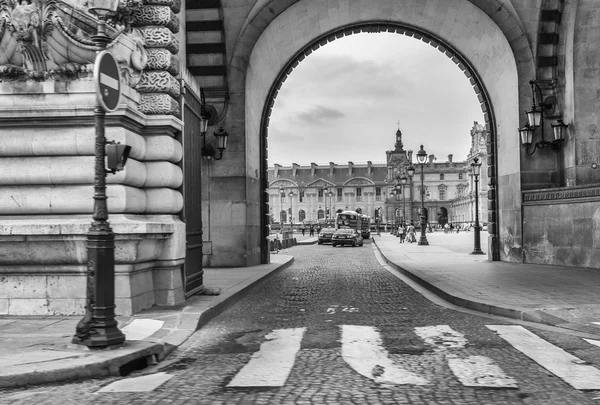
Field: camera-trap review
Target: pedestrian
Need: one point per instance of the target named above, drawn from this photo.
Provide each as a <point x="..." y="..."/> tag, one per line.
<point x="401" y="233"/>
<point x="318" y="229"/>
<point x="311" y="231"/>
<point x="303" y="229"/>
<point x="411" y="233"/>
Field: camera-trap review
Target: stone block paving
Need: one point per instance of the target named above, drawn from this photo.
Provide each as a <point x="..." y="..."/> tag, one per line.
<point x="322" y="291"/>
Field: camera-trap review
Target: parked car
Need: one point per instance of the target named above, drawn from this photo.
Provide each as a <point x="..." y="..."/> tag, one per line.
<point x="325" y="235"/>
<point x="346" y="236"/>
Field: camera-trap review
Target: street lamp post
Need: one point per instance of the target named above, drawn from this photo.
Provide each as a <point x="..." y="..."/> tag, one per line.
<point x="411" y="172"/>
<point x="291" y="194"/>
<point x="282" y="195"/>
<point x="98" y="328"/>
<point x="403" y="181"/>
<point x="475" y="171"/>
<point x="421" y="158"/>
<point x="394" y="193"/>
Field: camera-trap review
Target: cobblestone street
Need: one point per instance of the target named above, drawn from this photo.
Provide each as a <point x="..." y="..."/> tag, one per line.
<point x="363" y="337"/>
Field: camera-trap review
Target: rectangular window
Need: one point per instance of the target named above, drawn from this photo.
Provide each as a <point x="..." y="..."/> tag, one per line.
<point x="358" y="194"/>
<point x="442" y="194"/>
<point x="460" y="176"/>
<point x="377" y="193"/>
<point x="339" y="194"/>
<point x="441" y="176"/>
<point x="301" y="197"/>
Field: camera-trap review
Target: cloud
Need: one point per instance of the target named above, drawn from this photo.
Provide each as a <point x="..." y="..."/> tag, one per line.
<point x="320" y="115"/>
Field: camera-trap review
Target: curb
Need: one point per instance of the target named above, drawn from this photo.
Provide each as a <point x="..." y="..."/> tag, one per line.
<point x="535" y="316"/>
<point x="133" y="355"/>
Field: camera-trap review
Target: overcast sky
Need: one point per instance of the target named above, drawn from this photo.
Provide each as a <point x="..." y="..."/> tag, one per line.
<point x="343" y="102"/>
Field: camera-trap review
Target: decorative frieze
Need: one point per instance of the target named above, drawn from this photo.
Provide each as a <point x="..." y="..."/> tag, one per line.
<point x="564" y="194"/>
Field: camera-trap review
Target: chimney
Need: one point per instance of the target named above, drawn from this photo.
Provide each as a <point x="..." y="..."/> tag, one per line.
<point x="450" y="158"/>
<point x="313" y="169"/>
<point x="431" y="158"/>
<point x="369" y="167"/>
<point x="295" y="167"/>
<point x="350" y="168"/>
<point x="331" y="168"/>
<point x="276" y="167"/>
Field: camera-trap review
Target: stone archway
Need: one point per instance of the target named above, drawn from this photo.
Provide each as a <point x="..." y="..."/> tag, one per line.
<point x="493" y="54"/>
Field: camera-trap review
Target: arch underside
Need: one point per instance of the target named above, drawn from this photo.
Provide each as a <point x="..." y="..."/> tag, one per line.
<point x="482" y="51"/>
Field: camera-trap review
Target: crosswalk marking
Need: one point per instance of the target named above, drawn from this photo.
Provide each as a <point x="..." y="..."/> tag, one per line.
<point x="442" y="337"/>
<point x="480" y="371"/>
<point x="362" y="350"/>
<point x="471" y="371"/>
<point x="593" y="342"/>
<point x="272" y="364"/>
<point x="552" y="358"/>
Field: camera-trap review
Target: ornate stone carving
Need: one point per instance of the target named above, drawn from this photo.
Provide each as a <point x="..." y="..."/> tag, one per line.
<point x="157" y="81"/>
<point x="162" y="59"/>
<point x="160" y="37"/>
<point x="156" y="15"/>
<point x="48" y="39"/>
<point x="159" y="103"/>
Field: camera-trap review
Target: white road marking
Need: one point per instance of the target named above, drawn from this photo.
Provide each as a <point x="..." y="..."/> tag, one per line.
<point x="480" y="371"/>
<point x="140" y="329"/>
<point x="593" y="342"/>
<point x="596" y="323"/>
<point x="552" y="358"/>
<point x="472" y="371"/>
<point x="442" y="337"/>
<point x="362" y="350"/>
<point x="109" y="81"/>
<point x="272" y="364"/>
<point x="145" y="383"/>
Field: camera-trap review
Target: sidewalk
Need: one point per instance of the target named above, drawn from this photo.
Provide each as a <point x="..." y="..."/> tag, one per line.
<point x="36" y="350"/>
<point x="566" y="297"/>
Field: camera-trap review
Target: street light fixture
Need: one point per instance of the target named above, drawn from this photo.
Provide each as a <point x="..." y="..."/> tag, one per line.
<point x="475" y="171"/>
<point x="421" y="159"/>
<point x="535" y="119"/>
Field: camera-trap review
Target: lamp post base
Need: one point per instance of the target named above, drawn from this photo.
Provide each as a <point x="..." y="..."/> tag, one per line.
<point x="423" y="241"/>
<point x="477" y="241"/>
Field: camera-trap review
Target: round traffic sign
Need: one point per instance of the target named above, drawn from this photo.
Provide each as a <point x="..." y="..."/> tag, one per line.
<point x="108" y="81"/>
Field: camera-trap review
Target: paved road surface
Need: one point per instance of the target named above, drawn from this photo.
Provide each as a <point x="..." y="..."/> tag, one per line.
<point x="336" y="327"/>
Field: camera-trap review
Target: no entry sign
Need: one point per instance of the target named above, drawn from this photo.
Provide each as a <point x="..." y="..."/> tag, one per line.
<point x="108" y="81"/>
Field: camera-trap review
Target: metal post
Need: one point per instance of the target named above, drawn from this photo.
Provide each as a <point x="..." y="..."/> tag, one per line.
<point x="476" y="228"/>
<point x="98" y="328"/>
<point x="423" y="239"/>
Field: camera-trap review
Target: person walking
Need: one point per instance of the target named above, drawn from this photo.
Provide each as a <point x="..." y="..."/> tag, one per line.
<point x="303" y="228"/>
<point x="401" y="232"/>
<point x="411" y="233"/>
<point x="311" y="231"/>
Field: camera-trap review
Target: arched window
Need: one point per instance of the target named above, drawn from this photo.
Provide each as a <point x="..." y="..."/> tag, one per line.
<point x="441" y="176"/>
<point x="283" y="217"/>
<point x="301" y="215"/>
<point x="321" y="214"/>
